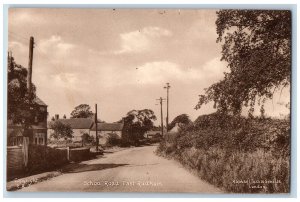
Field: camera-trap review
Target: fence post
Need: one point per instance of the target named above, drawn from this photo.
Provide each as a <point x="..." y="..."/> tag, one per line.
<point x="25" y="150"/>
<point x="68" y="153"/>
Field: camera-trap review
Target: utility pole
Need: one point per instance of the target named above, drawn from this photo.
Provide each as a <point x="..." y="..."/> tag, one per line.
<point x="167" y="119"/>
<point x="161" y="115"/>
<point x="29" y="80"/>
<point x="28" y="133"/>
<point x="96" y="122"/>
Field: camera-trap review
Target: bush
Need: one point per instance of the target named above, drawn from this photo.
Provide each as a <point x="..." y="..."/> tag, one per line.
<point x="113" y="140"/>
<point x="224" y="149"/>
<point x="43" y="158"/>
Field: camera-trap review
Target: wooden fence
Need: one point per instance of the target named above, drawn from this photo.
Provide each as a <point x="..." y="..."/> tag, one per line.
<point x="40" y="159"/>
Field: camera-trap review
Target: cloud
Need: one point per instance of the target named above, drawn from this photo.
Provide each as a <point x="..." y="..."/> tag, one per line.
<point x="17" y="45"/>
<point x="200" y="29"/>
<point x="19" y="50"/>
<point x="160" y="71"/>
<point x="141" y="40"/>
<point x="163" y="71"/>
<point x="55" y="45"/>
<point x="18" y="16"/>
<point x="67" y="81"/>
<point x="214" y="68"/>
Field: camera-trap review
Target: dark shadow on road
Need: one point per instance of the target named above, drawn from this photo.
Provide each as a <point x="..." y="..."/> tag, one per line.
<point x="108" y="152"/>
<point x="78" y="168"/>
<point x="134" y="165"/>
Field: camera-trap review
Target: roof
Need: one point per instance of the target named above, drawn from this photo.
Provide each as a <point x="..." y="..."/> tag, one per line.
<point x="152" y="132"/>
<point x="38" y="101"/>
<point x="108" y="127"/>
<point x="76" y="123"/>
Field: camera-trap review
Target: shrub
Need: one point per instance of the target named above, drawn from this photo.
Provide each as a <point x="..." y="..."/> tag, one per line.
<point x="43" y="158"/>
<point x="223" y="149"/>
<point x="113" y="140"/>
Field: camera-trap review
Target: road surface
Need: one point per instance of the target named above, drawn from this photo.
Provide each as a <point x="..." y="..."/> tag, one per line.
<point x="131" y="170"/>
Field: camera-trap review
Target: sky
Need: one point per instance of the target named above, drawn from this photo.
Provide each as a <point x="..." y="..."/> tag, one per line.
<point x="122" y="58"/>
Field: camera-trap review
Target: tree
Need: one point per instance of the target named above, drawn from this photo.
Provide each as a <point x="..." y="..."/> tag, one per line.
<point x="61" y="130"/>
<point x="21" y="106"/>
<point x="256" y="44"/>
<point x="182" y="119"/>
<point x="86" y="138"/>
<point x="136" y="123"/>
<point x="82" y="111"/>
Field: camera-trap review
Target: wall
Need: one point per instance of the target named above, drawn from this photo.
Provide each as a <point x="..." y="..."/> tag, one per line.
<point x="79" y="154"/>
<point x="43" y="158"/>
<point x="14" y="161"/>
<point x="40" y="159"/>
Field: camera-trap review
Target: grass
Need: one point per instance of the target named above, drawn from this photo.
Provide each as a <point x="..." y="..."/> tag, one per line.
<point x="251" y="158"/>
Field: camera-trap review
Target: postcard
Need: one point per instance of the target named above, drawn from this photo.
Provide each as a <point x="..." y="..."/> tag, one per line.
<point x="149" y="100"/>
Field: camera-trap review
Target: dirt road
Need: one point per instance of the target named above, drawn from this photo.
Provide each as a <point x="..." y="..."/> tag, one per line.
<point x="132" y="170"/>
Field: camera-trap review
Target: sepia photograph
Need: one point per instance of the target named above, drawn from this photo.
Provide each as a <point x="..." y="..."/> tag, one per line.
<point x="137" y="100"/>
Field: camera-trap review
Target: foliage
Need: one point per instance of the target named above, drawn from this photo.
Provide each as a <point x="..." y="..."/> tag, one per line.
<point x="21" y="107"/>
<point x="113" y="140"/>
<point x="43" y="158"/>
<point x="257" y="47"/>
<point x="223" y="148"/>
<point x="61" y="130"/>
<point x="82" y="111"/>
<point x="182" y="119"/>
<point x="225" y="171"/>
<point x="86" y="138"/>
<point x="136" y="123"/>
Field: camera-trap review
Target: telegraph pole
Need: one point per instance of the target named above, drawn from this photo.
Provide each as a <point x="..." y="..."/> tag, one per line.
<point x="29" y="80"/>
<point x="167" y="119"/>
<point x="161" y="115"/>
<point x="28" y="133"/>
<point x="96" y="122"/>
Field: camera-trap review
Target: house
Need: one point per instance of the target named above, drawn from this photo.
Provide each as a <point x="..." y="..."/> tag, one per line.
<point x="106" y="130"/>
<point x="38" y="133"/>
<point x="38" y="129"/>
<point x="175" y="129"/>
<point x="79" y="126"/>
<point x="82" y="126"/>
<point x="154" y="132"/>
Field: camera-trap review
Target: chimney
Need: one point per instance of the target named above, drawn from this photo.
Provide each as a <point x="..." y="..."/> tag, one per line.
<point x="29" y="73"/>
<point x="56" y="116"/>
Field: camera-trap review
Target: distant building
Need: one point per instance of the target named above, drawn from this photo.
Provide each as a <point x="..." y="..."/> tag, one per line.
<point x="38" y="129"/>
<point x="154" y="132"/>
<point x="79" y="126"/>
<point x="106" y="130"/>
<point x="176" y="128"/>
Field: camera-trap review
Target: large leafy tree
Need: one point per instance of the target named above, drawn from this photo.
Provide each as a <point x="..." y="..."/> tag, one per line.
<point x="256" y="44"/>
<point x="182" y="119"/>
<point x="61" y="130"/>
<point x="21" y="106"/>
<point x="82" y="111"/>
<point x="136" y="123"/>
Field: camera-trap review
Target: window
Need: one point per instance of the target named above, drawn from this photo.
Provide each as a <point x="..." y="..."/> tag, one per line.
<point x="41" y="140"/>
<point x="36" y="119"/>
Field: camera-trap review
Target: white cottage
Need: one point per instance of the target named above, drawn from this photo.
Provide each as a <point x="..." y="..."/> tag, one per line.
<point x="106" y="130"/>
<point x="79" y="126"/>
